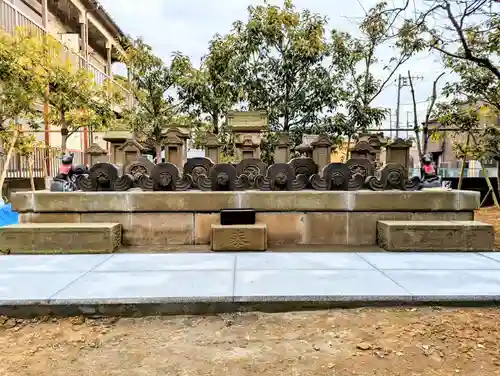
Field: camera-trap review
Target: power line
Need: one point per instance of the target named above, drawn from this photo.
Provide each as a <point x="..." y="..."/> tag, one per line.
<point x="362" y="7"/>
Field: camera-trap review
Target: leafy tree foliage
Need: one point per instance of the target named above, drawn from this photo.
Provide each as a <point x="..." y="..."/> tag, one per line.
<point x="153" y="85"/>
<point x="281" y="70"/>
<point x="211" y="89"/>
<point x="358" y="57"/>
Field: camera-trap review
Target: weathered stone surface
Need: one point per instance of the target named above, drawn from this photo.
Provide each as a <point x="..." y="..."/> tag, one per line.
<point x="281" y="201"/>
<point x="165" y="177"/>
<point x="158" y="229"/>
<point x="203" y="226"/>
<point x="51" y="218"/>
<point x="415" y="201"/>
<point x="124" y="219"/>
<point x="283" y="228"/>
<point x="239" y="238"/>
<point x="61" y="237"/>
<point x="435" y="236"/>
<point x="326" y="228"/>
<point x="362" y="226"/>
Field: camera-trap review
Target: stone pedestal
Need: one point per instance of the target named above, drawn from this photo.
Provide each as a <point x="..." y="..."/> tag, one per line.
<point x="61" y="237"/>
<point x="96" y="154"/>
<point x="322" y="151"/>
<point x="212" y="148"/>
<point x="239" y="237"/>
<point x="435" y="236"/>
<point x="282" y="153"/>
<point x="247" y="127"/>
<point x="399" y="152"/>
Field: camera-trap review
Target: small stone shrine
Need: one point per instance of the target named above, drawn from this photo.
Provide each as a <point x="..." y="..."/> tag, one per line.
<point x="247" y="127"/>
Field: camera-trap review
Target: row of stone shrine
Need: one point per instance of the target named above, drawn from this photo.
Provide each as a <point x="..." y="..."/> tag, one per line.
<point x="248" y="127"/>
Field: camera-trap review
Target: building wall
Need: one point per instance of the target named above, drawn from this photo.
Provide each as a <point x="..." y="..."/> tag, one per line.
<point x="338" y="154"/>
<point x="32" y="8"/>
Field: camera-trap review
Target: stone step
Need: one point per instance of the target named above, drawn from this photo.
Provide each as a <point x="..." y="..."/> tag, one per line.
<point x="61" y="237"/>
<point x="435" y="236"/>
<point x="239" y="237"/>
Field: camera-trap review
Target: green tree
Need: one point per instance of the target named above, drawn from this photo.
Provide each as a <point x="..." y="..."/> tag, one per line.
<point x="212" y="89"/>
<point x="23" y="81"/>
<point x="467" y="37"/>
<point x="472" y="137"/>
<point x="280" y="66"/>
<point x="152" y="85"/>
<point x="77" y="101"/>
<point x="359" y="57"/>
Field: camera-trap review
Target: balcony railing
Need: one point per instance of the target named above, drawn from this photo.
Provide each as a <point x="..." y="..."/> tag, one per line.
<point x="12" y="18"/>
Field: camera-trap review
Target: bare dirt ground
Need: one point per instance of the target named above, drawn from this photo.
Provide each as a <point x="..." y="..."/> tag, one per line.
<point x="404" y="341"/>
<point x="491" y="216"/>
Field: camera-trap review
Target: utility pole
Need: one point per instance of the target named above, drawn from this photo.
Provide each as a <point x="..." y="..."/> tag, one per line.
<point x="397" y="105"/>
<point x="402" y="82"/>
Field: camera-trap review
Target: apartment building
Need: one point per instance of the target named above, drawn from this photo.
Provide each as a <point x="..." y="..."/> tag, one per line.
<point x="90" y="35"/>
<point x="443" y="152"/>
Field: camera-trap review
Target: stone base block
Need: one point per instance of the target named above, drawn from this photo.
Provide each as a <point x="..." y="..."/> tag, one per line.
<point x="61" y="237"/>
<point x="239" y="237"/>
<point x="435" y="236"/>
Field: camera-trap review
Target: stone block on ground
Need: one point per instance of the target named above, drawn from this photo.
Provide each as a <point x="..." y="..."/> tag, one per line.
<point x="61" y="237"/>
<point x="435" y="236"/>
<point x="239" y="237"/>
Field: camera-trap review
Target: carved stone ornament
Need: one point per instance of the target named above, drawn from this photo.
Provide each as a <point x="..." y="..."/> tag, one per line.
<point x="322" y="141"/>
<point x="104" y="177"/>
<point x="142" y="166"/>
<point x="251" y="168"/>
<point x="223" y="178"/>
<point x="165" y="177"/>
<point x="95" y="149"/>
<point x="281" y="177"/>
<point x="363" y="149"/>
<point x="392" y="176"/>
<point x="131" y="146"/>
<point x="304" y="166"/>
<point x="335" y="177"/>
<point x="211" y="141"/>
<point x="359" y="170"/>
<point x="195" y="167"/>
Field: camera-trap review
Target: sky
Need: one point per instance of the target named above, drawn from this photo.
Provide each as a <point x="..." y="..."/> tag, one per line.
<point x="188" y="26"/>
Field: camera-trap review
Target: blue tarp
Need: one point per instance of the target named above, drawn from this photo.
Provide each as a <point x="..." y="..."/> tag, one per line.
<point x="8" y="216"/>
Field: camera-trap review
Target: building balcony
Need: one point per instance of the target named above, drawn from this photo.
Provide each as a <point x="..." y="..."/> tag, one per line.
<point x="11" y="18"/>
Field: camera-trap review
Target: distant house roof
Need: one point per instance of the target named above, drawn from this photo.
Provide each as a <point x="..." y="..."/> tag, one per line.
<point x="98" y="10"/>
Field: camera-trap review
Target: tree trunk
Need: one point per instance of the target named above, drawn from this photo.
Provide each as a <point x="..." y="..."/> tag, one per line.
<point x="462" y="168"/>
<point x="490" y="186"/>
<point x="215" y="124"/>
<point x="158" y="153"/>
<point x="8" y="157"/>
<point x="31" y="161"/>
<point x="348" y="147"/>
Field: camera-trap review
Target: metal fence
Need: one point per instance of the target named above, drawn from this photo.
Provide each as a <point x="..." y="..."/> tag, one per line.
<point x="45" y="163"/>
<point x="455" y="172"/>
